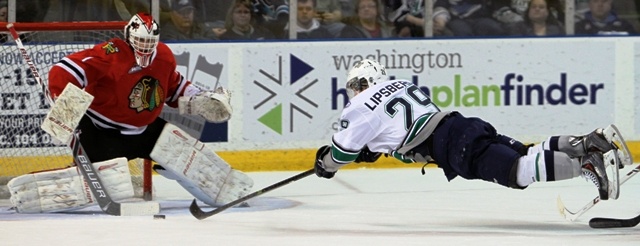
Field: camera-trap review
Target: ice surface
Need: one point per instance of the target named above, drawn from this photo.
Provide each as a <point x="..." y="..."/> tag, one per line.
<point x="357" y="207"/>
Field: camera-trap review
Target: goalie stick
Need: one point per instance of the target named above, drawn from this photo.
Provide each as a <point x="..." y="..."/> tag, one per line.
<point x="72" y="103"/>
<point x="32" y="67"/>
<point x="91" y="177"/>
<point x="572" y="216"/>
<point x="600" y="223"/>
<point x="81" y="160"/>
<point x="197" y="212"/>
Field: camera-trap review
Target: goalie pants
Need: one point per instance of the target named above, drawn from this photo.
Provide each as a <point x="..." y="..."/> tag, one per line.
<point x="102" y="144"/>
<point x="471" y="148"/>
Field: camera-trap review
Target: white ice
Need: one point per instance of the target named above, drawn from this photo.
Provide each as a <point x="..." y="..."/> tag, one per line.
<point x="357" y="207"/>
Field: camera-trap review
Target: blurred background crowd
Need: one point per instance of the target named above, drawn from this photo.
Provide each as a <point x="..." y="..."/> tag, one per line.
<point x="185" y="20"/>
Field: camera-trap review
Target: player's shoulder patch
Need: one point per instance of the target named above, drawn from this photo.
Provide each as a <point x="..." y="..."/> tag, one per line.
<point x="110" y="48"/>
<point x="344" y="124"/>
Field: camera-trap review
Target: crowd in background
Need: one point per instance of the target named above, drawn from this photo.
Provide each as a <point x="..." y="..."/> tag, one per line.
<point x="182" y="20"/>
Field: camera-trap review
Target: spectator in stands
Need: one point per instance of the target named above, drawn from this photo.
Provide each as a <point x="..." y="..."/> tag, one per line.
<point x="215" y="15"/>
<point x="601" y="20"/>
<point x="509" y="12"/>
<point x="348" y="8"/>
<point x="3" y="18"/>
<point x="407" y="17"/>
<point x="329" y="12"/>
<point x="367" y="23"/>
<point x="31" y="10"/>
<point x="272" y="15"/>
<point x="581" y="7"/>
<point x="538" y="21"/>
<point x="628" y="10"/>
<point x="307" y="26"/>
<point x="4" y="6"/>
<point x="470" y="17"/>
<point x="239" y="23"/>
<point x="183" y="25"/>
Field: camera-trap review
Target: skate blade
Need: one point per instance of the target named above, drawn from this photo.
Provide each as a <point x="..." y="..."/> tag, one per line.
<point x="612" y="134"/>
<point x="612" y="167"/>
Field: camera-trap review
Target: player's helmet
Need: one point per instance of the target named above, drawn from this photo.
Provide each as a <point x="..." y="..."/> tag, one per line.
<point x="142" y="33"/>
<point x="364" y="74"/>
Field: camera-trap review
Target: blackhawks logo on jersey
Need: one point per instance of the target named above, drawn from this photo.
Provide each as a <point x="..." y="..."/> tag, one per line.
<point x="110" y="48"/>
<point x="146" y="94"/>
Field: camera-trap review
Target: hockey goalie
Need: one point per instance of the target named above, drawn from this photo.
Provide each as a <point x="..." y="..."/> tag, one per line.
<point x="125" y="84"/>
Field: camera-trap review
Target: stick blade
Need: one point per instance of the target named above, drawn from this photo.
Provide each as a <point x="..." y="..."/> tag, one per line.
<point x="196" y="211"/>
<point x="602" y="223"/>
<point x="139" y="209"/>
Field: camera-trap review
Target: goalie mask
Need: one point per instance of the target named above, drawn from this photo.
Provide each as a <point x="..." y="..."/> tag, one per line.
<point x="364" y="74"/>
<point x="142" y="33"/>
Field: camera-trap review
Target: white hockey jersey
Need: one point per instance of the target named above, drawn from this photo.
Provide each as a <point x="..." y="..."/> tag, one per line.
<point x="379" y="117"/>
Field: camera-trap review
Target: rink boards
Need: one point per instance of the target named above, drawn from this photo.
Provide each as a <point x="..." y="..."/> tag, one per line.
<point x="287" y="98"/>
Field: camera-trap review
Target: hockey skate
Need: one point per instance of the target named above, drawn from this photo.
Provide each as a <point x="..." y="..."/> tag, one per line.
<point x="594" y="169"/>
<point x="613" y="136"/>
<point x="603" y="140"/>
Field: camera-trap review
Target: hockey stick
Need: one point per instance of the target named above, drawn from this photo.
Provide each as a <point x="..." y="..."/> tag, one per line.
<point x="32" y="66"/>
<point x="613" y="223"/>
<point x="91" y="177"/>
<point x="572" y="216"/>
<point x="79" y="157"/>
<point x="197" y="212"/>
<point x="64" y="116"/>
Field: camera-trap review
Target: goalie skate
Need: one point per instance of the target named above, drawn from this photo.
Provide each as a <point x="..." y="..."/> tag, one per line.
<point x="612" y="134"/>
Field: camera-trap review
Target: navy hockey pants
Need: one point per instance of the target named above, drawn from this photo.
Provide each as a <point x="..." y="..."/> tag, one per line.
<point x="471" y="148"/>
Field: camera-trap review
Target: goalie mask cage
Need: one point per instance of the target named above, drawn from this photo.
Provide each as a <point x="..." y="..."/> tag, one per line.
<point x="24" y="147"/>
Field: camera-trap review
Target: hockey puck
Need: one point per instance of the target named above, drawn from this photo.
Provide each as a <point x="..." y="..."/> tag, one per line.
<point x="159" y="217"/>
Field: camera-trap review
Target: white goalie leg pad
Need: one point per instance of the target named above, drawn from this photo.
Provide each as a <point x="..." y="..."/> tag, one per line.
<point x="65" y="114"/>
<point x="214" y="106"/>
<point x="65" y="189"/>
<point x="197" y="168"/>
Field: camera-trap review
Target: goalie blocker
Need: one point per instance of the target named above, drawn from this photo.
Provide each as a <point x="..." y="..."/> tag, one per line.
<point x="197" y="168"/>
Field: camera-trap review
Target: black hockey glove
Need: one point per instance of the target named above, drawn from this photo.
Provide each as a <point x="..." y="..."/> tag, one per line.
<point x="319" y="167"/>
<point x="367" y="156"/>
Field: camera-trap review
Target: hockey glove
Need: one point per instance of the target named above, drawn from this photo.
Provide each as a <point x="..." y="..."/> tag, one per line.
<point x="319" y="165"/>
<point x="213" y="106"/>
<point x="367" y="156"/>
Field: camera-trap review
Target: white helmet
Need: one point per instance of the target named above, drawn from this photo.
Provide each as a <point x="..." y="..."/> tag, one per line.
<point x="142" y="33"/>
<point x="364" y="74"/>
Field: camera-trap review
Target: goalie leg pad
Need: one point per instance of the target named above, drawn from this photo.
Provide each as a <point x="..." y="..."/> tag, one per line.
<point x="64" y="189"/>
<point x="197" y="168"/>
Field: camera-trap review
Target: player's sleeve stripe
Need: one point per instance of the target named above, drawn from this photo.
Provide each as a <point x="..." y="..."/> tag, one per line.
<point x="341" y="155"/>
<point x="73" y="69"/>
<point x="181" y="85"/>
<point x="417" y="126"/>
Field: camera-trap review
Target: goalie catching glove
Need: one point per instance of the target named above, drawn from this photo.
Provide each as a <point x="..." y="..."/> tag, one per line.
<point x="213" y="106"/>
<point x="65" y="189"/>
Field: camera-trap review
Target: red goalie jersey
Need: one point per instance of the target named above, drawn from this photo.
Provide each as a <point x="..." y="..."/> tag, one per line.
<point x="127" y="96"/>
